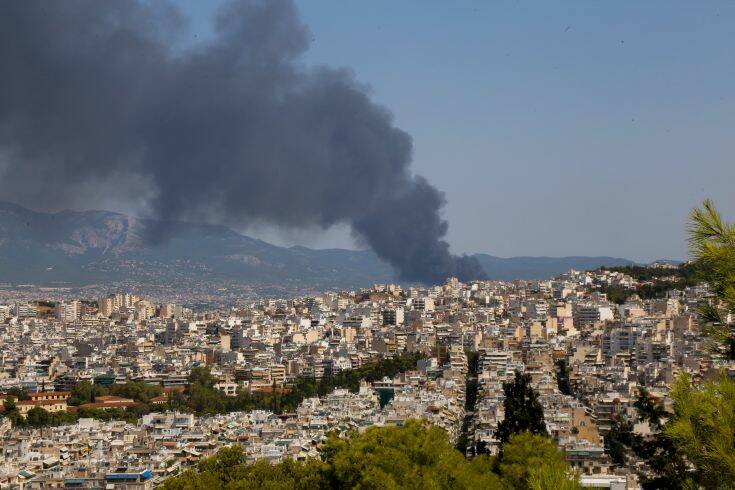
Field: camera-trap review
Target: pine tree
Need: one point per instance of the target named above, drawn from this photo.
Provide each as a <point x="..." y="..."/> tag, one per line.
<point x="523" y="411"/>
<point x="712" y="245"/>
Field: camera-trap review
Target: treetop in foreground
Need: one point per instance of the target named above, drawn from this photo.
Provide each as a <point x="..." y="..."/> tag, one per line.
<point x="415" y="456"/>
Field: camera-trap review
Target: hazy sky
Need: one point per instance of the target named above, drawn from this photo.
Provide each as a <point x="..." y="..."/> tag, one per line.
<point x="554" y="128"/>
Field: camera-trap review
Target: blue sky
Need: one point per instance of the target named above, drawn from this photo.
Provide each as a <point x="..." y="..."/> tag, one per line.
<point x="554" y="128"/>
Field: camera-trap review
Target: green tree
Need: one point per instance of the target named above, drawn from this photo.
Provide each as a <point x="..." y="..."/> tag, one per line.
<point x="712" y="245"/>
<point x="202" y="376"/>
<point x="619" y="440"/>
<point x="138" y="391"/>
<point x="648" y="409"/>
<point x="10" y="410"/>
<point x="18" y="393"/>
<point x="665" y="463"/>
<point x="38" y="417"/>
<point x="193" y="480"/>
<point x="85" y="392"/>
<point x="417" y="455"/>
<point x="285" y="476"/>
<point x="532" y="461"/>
<point x="205" y="399"/>
<point x="704" y="428"/>
<point x="177" y="402"/>
<point x="523" y="411"/>
<point x="552" y="477"/>
<point x="220" y="472"/>
<point x="226" y="465"/>
<point x="562" y="376"/>
<point x="9" y="405"/>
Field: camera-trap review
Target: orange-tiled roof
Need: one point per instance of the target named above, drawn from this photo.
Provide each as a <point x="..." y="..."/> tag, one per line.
<point x="111" y="399"/>
<point x="50" y="393"/>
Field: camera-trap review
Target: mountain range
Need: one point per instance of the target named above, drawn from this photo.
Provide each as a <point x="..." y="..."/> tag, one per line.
<point x="85" y="247"/>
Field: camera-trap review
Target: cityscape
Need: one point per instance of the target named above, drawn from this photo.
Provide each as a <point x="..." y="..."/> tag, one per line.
<point x="311" y="245"/>
<point x="589" y="342"/>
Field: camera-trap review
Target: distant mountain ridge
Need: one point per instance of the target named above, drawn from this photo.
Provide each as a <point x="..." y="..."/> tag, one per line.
<point x="84" y="247"/>
<point x="508" y="269"/>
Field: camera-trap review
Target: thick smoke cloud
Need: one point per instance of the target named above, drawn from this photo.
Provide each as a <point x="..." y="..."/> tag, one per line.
<point x="100" y="95"/>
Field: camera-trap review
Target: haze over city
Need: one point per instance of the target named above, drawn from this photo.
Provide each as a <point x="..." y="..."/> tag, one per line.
<point x="313" y="245"/>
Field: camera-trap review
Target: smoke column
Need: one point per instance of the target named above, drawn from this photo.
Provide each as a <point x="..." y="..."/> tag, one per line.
<point x="100" y="97"/>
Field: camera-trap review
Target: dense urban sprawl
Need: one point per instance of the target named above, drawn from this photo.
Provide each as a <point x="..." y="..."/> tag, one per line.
<point x="123" y="391"/>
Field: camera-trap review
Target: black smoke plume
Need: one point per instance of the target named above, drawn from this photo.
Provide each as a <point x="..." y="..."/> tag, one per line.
<point x="104" y="97"/>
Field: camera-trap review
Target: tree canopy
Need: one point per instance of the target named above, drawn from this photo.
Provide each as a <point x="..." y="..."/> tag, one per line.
<point x="704" y="430"/>
<point x="417" y="455"/>
<point x="532" y="461"/>
<point x="712" y="244"/>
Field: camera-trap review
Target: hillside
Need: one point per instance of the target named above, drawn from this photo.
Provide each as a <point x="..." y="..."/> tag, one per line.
<point x="508" y="269"/>
<point x="83" y="247"/>
<point x="98" y="246"/>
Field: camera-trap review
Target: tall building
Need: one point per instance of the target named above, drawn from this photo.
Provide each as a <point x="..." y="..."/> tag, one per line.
<point x="168" y="310"/>
<point x="144" y="310"/>
<point x="25" y="310"/>
<point x="106" y="305"/>
<point x="393" y="316"/>
<point x="67" y="311"/>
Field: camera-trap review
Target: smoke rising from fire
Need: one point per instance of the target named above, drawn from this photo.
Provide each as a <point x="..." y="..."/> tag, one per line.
<point x="96" y="97"/>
